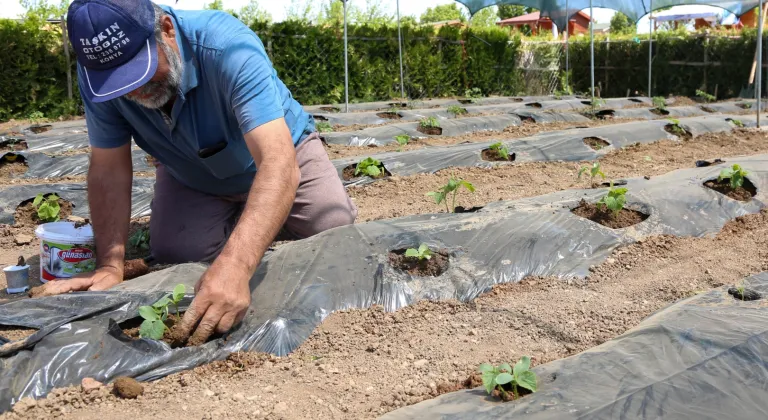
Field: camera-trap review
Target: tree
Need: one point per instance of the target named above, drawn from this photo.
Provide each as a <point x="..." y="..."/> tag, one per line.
<point x="442" y="13"/>
<point x="409" y="21"/>
<point x="485" y="18"/>
<point x="252" y="12"/>
<point x="620" y="24"/>
<point x="507" y="11"/>
<point x="332" y="13"/>
<point x="374" y="14"/>
<point x="41" y="9"/>
<point x="215" y="5"/>
<point x="301" y="10"/>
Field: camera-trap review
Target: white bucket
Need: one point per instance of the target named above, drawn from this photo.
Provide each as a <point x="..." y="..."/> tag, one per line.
<point x="65" y="251"/>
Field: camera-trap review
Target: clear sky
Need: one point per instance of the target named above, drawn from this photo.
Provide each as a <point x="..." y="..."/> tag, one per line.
<point x="12" y="8"/>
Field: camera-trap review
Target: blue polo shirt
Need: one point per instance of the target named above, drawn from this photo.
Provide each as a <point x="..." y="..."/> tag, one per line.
<point x="228" y="88"/>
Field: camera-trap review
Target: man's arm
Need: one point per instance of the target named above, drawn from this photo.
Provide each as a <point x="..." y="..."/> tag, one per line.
<point x="109" y="196"/>
<point x="223" y="294"/>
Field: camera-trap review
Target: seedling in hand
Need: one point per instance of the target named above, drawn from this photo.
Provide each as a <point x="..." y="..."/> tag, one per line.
<point x="402" y="139"/>
<point x="47" y="207"/>
<point x="423" y="253"/>
<point x="155" y="316"/>
<point x="430" y="122"/>
<point x="323" y="126"/>
<point x="496" y="377"/>
<point x="594" y="171"/>
<point x="705" y="96"/>
<point x="659" y="103"/>
<point x="452" y="186"/>
<point x="500" y="150"/>
<point x="735" y="174"/>
<point x="614" y="200"/>
<point x="370" y="167"/>
<point x="457" y="110"/>
<point x="140" y="239"/>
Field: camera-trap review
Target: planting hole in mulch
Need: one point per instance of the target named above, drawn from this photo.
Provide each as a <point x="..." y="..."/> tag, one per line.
<point x="678" y="131"/>
<point x="389" y="115"/>
<point x="319" y="118"/>
<point x="37" y="129"/>
<point x="462" y="209"/>
<point x="26" y="213"/>
<point x="744" y="294"/>
<point x="431" y="131"/>
<point x="349" y="173"/>
<point x="466" y="101"/>
<point x="399" y="105"/>
<point x="13" y="145"/>
<point x="708" y="109"/>
<point x="744" y="106"/>
<point x="330" y="109"/>
<point x="625" y="218"/>
<point x="659" y="112"/>
<point x="636" y="100"/>
<point x="743" y="193"/>
<point x="533" y="105"/>
<point x="432" y="267"/>
<point x="517" y="99"/>
<point x="605" y="114"/>
<point x="13" y="165"/>
<point x="16" y="333"/>
<point x="172" y="336"/>
<point x="596" y="143"/>
<point x="492" y="155"/>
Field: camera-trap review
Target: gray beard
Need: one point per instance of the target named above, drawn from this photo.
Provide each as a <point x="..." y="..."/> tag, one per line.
<point x="160" y="92"/>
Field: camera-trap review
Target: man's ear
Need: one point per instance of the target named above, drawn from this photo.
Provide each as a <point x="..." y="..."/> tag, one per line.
<point x="169" y="32"/>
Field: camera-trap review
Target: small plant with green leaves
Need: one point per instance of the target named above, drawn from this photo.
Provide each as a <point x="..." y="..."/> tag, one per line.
<point x="423" y="253"/>
<point x="597" y="102"/>
<point x="675" y="127"/>
<point x="473" y="94"/>
<point x="737" y="123"/>
<point x="450" y="189"/>
<point x="323" y="126"/>
<point x="457" y="110"/>
<point x="402" y="139"/>
<point x="501" y="150"/>
<point x="155" y="315"/>
<point x="594" y="171"/>
<point x="36" y="118"/>
<point x="705" y="96"/>
<point x="504" y="378"/>
<point x="659" y="103"/>
<point x="735" y="176"/>
<point x="140" y="239"/>
<point x="369" y="167"/>
<point x="614" y="200"/>
<point x="429" y="122"/>
<point x="48" y="208"/>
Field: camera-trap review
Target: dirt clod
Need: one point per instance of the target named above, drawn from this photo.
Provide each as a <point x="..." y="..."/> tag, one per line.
<point x="432" y="267"/>
<point x="135" y="268"/>
<point x="89" y="384"/>
<point x="23" y="239"/>
<point x="625" y="218"/>
<point x="129" y="388"/>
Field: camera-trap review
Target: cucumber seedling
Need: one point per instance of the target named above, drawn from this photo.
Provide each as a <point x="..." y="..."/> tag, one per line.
<point x="48" y="208"/>
<point x="735" y="175"/>
<point x="402" y="139"/>
<point x="473" y="94"/>
<point x="140" y="239"/>
<point x="705" y="96"/>
<point x="370" y="167"/>
<point x="155" y="315"/>
<point x="614" y="200"/>
<point x="422" y="253"/>
<point x="457" y="110"/>
<point x="737" y="123"/>
<point x="675" y="128"/>
<point x="659" y="103"/>
<point x="429" y="122"/>
<point x="594" y="171"/>
<point x="500" y="150"/>
<point x="502" y="378"/>
<point x="323" y="126"/>
<point x="450" y="189"/>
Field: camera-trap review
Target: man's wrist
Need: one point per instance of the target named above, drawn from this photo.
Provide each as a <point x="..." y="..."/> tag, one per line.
<point x="233" y="261"/>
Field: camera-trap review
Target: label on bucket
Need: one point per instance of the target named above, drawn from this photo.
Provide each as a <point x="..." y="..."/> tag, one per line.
<point x="65" y="260"/>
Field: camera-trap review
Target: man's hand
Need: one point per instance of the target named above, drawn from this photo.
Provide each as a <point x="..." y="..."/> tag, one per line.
<point x="221" y="299"/>
<point x="101" y="279"/>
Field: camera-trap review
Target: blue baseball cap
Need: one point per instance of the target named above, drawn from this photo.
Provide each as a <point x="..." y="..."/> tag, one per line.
<point x="115" y="45"/>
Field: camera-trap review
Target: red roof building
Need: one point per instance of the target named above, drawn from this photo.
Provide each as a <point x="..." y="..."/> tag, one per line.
<point x="579" y="23"/>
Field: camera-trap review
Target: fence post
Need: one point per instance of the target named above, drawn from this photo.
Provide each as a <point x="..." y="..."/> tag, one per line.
<point x="706" y="60"/>
<point x="607" y="53"/>
<point x="65" y="45"/>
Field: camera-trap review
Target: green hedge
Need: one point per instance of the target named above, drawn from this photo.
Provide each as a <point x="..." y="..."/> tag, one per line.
<point x="622" y="65"/>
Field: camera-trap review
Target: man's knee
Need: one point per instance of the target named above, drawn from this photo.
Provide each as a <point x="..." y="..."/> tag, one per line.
<point x="322" y="218"/>
<point x="173" y="249"/>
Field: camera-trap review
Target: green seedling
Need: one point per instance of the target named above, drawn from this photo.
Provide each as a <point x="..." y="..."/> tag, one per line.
<point x="675" y="127"/>
<point x="430" y="122"/>
<point x="323" y="126"/>
<point x="737" y="123"/>
<point x="370" y="167"/>
<point x="659" y="103"/>
<point x="457" y="110"/>
<point x="500" y="150"/>
<point x="705" y="96"/>
<point x="496" y="377"/>
<point x="735" y="174"/>
<point x="451" y="188"/>
<point x="741" y="287"/>
<point x="402" y="139"/>
<point x="473" y="94"/>
<point x="597" y="102"/>
<point x="140" y="239"/>
<point x="36" y="117"/>
<point x="614" y="200"/>
<point x="155" y="315"/>
<point x="423" y="253"/>
<point x="594" y="171"/>
<point x="47" y="207"/>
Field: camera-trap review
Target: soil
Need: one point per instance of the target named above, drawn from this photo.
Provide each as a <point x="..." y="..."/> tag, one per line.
<point x="743" y="193"/>
<point x="129" y="388"/>
<point x="26" y="214"/>
<point x="15" y="333"/>
<point x="432" y="267"/>
<point x="596" y="143"/>
<point x="349" y="173"/>
<point x="37" y="129"/>
<point x="625" y="218"/>
<point x="135" y="268"/>
<point x="13" y="169"/>
<point x="678" y="131"/>
<point x="508" y="394"/>
<point x="431" y="131"/>
<point x="492" y="155"/>
<point x="681" y="101"/>
<point x="360" y="364"/>
<point x="389" y="115"/>
<point x="13" y="145"/>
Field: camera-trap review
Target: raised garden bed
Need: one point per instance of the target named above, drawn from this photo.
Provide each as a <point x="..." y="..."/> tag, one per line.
<point x="625" y="218"/>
